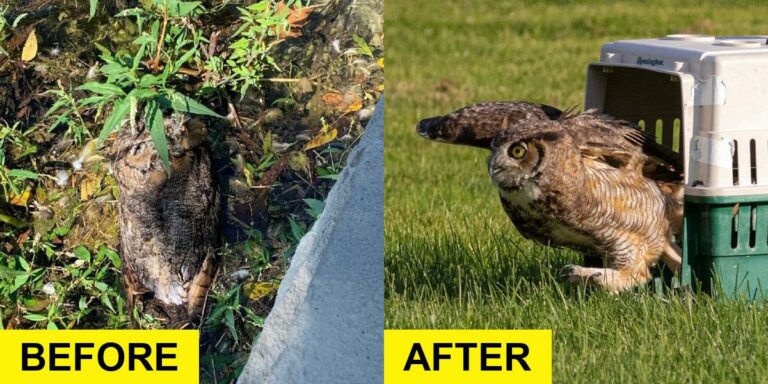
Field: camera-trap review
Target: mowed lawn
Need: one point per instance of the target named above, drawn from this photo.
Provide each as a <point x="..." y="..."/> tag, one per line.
<point x="452" y="258"/>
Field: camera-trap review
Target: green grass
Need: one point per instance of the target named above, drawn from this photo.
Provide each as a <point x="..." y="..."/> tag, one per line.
<point x="452" y="258"/>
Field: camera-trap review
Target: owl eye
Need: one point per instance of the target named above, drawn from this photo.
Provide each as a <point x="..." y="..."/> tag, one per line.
<point x="517" y="151"/>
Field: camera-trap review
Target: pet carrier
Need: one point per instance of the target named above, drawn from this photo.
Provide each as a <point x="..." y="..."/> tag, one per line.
<point x="705" y="99"/>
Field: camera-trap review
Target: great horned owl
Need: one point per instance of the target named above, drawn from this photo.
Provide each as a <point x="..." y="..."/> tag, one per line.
<point x="168" y="222"/>
<point x="582" y="181"/>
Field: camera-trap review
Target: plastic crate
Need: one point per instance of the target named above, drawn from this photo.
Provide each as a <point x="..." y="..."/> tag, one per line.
<point x="703" y="98"/>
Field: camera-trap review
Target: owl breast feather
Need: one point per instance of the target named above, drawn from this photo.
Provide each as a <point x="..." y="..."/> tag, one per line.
<point x="526" y="210"/>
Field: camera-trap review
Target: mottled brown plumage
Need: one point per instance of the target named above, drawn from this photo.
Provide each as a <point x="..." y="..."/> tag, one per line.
<point x="585" y="182"/>
<point x="476" y="125"/>
<point x="168" y="224"/>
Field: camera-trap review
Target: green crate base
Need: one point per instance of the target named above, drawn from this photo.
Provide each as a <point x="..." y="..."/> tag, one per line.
<point x="725" y="246"/>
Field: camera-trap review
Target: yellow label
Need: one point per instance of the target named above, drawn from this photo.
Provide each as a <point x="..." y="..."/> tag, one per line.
<point x="467" y="356"/>
<point x="99" y="356"/>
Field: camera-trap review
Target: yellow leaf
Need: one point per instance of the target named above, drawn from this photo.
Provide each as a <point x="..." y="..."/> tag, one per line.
<point x="88" y="187"/>
<point x="260" y="290"/>
<point x="30" y="47"/>
<point x="248" y="176"/>
<point x="21" y="199"/>
<point x="381" y="62"/>
<point x="355" y="105"/>
<point x="324" y="137"/>
<point x="380" y="88"/>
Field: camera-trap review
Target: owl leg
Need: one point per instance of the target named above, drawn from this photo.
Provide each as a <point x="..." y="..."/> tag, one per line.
<point x="671" y="256"/>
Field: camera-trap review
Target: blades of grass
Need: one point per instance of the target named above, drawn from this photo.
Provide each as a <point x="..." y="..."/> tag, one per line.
<point x="115" y="119"/>
<point x="154" y="117"/>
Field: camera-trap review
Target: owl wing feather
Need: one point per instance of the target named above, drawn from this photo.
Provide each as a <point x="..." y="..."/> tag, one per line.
<point x="477" y="125"/>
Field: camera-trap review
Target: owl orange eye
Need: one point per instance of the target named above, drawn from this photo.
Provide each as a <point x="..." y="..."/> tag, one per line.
<point x="517" y="151"/>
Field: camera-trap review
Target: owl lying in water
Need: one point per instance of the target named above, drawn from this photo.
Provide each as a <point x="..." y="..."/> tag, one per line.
<point x="577" y="180"/>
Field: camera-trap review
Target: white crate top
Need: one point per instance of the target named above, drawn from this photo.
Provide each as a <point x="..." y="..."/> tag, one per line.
<point x="681" y="53"/>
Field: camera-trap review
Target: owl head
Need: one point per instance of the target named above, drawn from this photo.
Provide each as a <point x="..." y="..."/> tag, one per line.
<point x="533" y="152"/>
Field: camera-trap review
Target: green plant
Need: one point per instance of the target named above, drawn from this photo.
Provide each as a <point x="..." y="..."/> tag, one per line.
<point x="250" y="49"/>
<point x="73" y="120"/>
<point x="79" y="285"/>
<point x="362" y="47"/>
<point x="11" y="180"/>
<point x="148" y="78"/>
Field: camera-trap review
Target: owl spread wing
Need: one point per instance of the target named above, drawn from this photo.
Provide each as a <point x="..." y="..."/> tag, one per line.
<point x="478" y="124"/>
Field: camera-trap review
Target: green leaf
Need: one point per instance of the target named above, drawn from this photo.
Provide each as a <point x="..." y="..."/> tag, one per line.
<point x="56" y="106"/>
<point x="22" y="174"/>
<point x="101" y="286"/>
<point x="186" y="104"/>
<point x="113" y="69"/>
<point x="315" y="207"/>
<point x="149" y="80"/>
<point x="115" y="119"/>
<point x="82" y="253"/>
<point x="105" y="300"/>
<point x="180" y="8"/>
<point x="92" y="100"/>
<point x="230" y="318"/>
<point x="19" y="281"/>
<point x="35" y="317"/>
<point x="105" y="53"/>
<point x="94" y="4"/>
<point x="12" y="221"/>
<point x="183" y="59"/>
<point x="362" y="46"/>
<point x="154" y="117"/>
<point x="24" y="264"/>
<point x="143" y="93"/>
<point x="139" y="55"/>
<point x="112" y="255"/>
<point x="101" y="88"/>
<point x="52" y="326"/>
<point x="145" y="38"/>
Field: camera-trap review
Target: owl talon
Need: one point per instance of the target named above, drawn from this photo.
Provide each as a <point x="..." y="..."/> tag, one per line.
<point x="577" y="273"/>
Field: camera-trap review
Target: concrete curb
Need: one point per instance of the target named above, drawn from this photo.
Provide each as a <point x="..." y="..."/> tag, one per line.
<point x="328" y="320"/>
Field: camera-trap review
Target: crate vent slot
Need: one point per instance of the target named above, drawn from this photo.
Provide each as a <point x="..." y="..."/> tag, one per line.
<point x="752" y="224"/>
<point x="735" y="227"/>
<point x="735" y="155"/>
<point x="659" y="130"/>
<point x="753" y="160"/>
<point x="676" y="136"/>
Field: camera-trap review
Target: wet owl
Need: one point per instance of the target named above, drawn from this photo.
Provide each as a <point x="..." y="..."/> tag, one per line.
<point x="168" y="220"/>
<point x="582" y="181"/>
